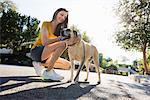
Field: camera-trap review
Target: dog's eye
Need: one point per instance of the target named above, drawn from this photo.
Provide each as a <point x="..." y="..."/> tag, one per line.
<point x="68" y="30"/>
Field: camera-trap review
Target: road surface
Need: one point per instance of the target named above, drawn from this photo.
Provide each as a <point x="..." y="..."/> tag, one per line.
<point x="21" y="83"/>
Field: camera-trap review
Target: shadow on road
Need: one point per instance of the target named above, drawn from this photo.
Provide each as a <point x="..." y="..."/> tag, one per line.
<point x="113" y="90"/>
<point x="21" y="79"/>
<point x="121" y="85"/>
<point x="73" y="91"/>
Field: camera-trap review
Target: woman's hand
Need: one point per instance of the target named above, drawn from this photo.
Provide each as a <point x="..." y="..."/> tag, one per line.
<point x="72" y="41"/>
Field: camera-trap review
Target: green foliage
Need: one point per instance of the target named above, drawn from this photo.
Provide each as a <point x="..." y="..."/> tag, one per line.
<point x="148" y="59"/>
<point x="123" y="65"/>
<point x="17" y="29"/>
<point x="135" y="19"/>
<point x="6" y="5"/>
<point x="106" y="62"/>
<point x="74" y="27"/>
<point x="135" y="63"/>
<point x="112" y="66"/>
<point x="100" y="58"/>
<point x="140" y="66"/>
<point x="135" y="31"/>
<point x="85" y="37"/>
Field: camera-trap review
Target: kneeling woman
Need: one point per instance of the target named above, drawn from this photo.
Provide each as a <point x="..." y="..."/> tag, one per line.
<point x="49" y="46"/>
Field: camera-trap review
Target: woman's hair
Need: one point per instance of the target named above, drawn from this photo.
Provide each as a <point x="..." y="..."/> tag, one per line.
<point x="61" y="25"/>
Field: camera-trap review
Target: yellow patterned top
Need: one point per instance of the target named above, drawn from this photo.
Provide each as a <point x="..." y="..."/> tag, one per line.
<point x="47" y="25"/>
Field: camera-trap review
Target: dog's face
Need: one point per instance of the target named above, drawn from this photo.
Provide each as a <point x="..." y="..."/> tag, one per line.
<point x="65" y="32"/>
<point x="68" y="33"/>
<point x="74" y="34"/>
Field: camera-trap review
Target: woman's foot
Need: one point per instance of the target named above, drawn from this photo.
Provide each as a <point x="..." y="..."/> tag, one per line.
<point x="38" y="67"/>
<point x="51" y="75"/>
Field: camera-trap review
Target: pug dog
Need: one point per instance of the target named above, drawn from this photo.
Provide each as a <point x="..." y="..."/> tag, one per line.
<point x="83" y="52"/>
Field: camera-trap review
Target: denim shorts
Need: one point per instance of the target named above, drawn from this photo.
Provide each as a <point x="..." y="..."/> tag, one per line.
<point x="36" y="53"/>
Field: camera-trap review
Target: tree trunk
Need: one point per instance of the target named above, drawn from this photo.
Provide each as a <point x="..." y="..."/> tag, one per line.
<point x="145" y="59"/>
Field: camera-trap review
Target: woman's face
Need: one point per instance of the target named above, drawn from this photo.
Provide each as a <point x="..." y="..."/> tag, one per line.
<point x="61" y="16"/>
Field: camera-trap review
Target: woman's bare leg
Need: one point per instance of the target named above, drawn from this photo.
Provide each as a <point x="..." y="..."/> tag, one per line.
<point x="52" y="52"/>
<point x="62" y="63"/>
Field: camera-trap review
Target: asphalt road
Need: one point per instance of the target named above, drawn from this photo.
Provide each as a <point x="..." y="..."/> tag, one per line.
<point x="21" y="83"/>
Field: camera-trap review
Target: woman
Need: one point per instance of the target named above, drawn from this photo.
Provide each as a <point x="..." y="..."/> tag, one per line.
<point x="49" y="45"/>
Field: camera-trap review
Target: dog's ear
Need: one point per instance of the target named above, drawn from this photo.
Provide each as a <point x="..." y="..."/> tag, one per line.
<point x="75" y="33"/>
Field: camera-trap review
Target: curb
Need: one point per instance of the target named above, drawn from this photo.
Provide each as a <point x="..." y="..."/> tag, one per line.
<point x="143" y="79"/>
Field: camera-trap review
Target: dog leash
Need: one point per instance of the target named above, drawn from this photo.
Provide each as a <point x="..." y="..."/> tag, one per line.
<point x="82" y="63"/>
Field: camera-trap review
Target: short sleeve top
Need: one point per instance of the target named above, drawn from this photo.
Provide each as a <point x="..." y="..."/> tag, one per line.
<point x="47" y="25"/>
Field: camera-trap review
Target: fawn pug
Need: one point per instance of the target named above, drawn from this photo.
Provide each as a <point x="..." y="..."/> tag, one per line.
<point x="82" y="51"/>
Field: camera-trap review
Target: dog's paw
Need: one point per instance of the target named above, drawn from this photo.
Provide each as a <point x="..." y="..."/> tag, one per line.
<point x="76" y="82"/>
<point x="85" y="80"/>
<point x="68" y="81"/>
<point x="99" y="82"/>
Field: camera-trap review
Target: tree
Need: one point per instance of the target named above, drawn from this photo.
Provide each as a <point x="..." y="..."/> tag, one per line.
<point x="104" y="63"/>
<point x="100" y="59"/>
<point x="6" y="5"/>
<point x="85" y="37"/>
<point x="135" y="22"/>
<point x="17" y="29"/>
<point x="148" y="58"/>
<point x="139" y="65"/>
<point x="135" y="63"/>
<point x="74" y="27"/>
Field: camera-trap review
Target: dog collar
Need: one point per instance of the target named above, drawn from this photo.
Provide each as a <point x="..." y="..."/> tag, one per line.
<point x="72" y="44"/>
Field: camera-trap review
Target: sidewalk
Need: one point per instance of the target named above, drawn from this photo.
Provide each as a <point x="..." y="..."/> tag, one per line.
<point x="143" y="79"/>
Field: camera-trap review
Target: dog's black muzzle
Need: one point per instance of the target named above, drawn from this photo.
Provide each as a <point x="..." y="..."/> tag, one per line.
<point x="66" y="32"/>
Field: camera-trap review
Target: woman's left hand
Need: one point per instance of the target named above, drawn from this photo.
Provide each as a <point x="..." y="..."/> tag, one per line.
<point x="72" y="41"/>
